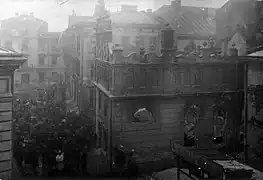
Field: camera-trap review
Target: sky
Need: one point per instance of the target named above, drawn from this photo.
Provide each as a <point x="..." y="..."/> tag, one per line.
<point x="57" y="16"/>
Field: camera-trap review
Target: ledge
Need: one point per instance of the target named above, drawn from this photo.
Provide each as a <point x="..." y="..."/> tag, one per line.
<point x="170" y="95"/>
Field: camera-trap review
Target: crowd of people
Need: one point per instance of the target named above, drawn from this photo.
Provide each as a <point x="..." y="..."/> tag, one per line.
<point x="47" y="140"/>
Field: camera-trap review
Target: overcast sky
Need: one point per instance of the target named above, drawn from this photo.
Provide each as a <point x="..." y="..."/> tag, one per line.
<point x="57" y="16"/>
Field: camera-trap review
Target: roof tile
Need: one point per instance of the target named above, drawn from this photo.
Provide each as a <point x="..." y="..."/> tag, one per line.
<point x="191" y="20"/>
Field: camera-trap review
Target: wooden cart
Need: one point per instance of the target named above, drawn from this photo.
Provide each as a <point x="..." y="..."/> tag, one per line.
<point x="202" y="163"/>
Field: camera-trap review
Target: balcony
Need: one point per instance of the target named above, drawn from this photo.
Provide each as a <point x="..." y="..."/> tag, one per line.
<point x="166" y="79"/>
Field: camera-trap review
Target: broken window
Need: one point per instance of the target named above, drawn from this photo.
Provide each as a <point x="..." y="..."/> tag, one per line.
<point x="220" y="121"/>
<point x="143" y="115"/>
<point x="190" y="121"/>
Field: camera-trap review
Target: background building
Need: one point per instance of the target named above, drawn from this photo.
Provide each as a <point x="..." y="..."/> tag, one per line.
<point x="145" y="101"/>
<point x="50" y="67"/>
<point x="21" y="33"/>
<point x="193" y="26"/>
<point x="76" y="52"/>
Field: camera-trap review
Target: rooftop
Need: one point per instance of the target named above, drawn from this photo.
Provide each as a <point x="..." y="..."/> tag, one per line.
<point x="11" y="57"/>
<point x="6" y="51"/>
<point x="23" y="17"/>
<point x="130" y="15"/>
<point x="191" y="20"/>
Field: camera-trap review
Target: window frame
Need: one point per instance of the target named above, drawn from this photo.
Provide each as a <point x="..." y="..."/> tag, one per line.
<point x="40" y="76"/>
<point x="8" y="86"/>
<point x="22" y="80"/>
<point x="40" y="58"/>
<point x="54" y="59"/>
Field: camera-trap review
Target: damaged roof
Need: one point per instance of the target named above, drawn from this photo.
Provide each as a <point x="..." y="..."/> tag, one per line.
<point x="190" y="21"/>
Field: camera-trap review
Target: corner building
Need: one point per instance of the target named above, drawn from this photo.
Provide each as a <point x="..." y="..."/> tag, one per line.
<point x="168" y="87"/>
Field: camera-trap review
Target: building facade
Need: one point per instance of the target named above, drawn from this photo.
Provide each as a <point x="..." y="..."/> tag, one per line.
<point x="50" y="67"/>
<point x="21" y="33"/>
<point x="76" y="52"/>
<point x="9" y="62"/>
<point x="146" y="101"/>
<point x="135" y="30"/>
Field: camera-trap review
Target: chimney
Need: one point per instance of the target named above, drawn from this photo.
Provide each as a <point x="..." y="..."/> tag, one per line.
<point x="32" y="14"/>
<point x="205" y="13"/>
<point x="16" y="14"/>
<point x="129" y="8"/>
<point x="176" y="5"/>
<point x="149" y="11"/>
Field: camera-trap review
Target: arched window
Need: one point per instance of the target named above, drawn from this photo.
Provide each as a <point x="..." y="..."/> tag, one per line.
<point x="190" y="121"/>
<point x="220" y="121"/>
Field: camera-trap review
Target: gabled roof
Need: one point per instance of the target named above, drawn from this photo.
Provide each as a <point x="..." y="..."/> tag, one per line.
<point x="191" y="20"/>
